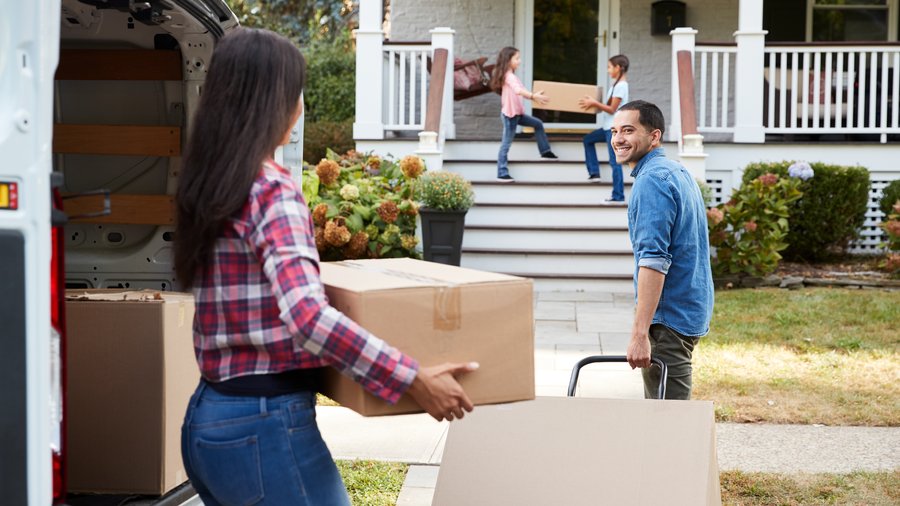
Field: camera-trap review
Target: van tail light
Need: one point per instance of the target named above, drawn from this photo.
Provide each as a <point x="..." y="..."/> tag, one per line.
<point x="58" y="351"/>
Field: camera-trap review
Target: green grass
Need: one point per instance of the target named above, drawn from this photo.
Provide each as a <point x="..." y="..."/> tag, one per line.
<point x="817" y="355"/>
<point x="372" y="483"/>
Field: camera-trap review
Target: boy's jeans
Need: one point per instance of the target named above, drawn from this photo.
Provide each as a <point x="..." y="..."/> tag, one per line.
<point x="509" y="131"/>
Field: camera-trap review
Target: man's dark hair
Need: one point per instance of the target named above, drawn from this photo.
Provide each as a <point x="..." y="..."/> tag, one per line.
<point x="648" y="115"/>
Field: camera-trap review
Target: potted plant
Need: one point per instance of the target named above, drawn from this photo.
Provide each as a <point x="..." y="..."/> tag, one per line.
<point x="445" y="198"/>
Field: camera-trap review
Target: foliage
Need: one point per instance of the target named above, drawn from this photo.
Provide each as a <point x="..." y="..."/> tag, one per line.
<point x="889" y="196"/>
<point x="330" y="93"/>
<point x="793" y="489"/>
<point x="362" y="207"/>
<point x="705" y="191"/>
<point x="319" y="136"/>
<point x="891" y="227"/>
<point x="831" y="212"/>
<point x="299" y="20"/>
<point x="445" y="191"/>
<point x="750" y="229"/>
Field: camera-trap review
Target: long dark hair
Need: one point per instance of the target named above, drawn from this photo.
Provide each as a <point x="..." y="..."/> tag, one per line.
<point x="501" y="68"/>
<point x="248" y="100"/>
<point x="621" y="61"/>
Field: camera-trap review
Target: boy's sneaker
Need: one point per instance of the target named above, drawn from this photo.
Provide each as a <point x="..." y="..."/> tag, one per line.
<point x="550" y="155"/>
<point x="593" y="178"/>
<point x="506" y="179"/>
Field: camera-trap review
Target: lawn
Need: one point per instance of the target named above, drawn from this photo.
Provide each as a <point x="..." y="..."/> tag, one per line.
<point x="372" y="483"/>
<point x="816" y="355"/>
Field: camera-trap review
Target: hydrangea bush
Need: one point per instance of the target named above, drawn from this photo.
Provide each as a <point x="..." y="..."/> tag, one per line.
<point x="891" y="227"/>
<point x="749" y="231"/>
<point x="363" y="205"/>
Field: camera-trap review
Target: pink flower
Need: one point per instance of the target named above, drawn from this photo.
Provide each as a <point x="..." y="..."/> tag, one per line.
<point x="893" y="227"/>
<point x="750" y="226"/>
<point x="768" y="179"/>
<point x="714" y="216"/>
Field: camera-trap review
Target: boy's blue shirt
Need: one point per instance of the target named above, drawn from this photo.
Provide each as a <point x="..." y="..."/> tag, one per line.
<point x="668" y="231"/>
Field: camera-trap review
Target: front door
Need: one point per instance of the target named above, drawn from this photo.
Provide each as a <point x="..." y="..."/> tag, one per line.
<point x="568" y="41"/>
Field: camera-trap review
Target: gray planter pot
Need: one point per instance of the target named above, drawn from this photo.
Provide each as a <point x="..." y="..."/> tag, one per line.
<point x="442" y="235"/>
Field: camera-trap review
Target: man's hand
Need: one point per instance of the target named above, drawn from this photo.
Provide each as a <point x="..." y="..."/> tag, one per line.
<point x="638" y="353"/>
<point x="437" y="391"/>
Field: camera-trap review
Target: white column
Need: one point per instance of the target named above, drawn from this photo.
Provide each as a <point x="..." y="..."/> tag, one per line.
<point x="442" y="37"/>
<point x="369" y="69"/>
<point x="692" y="156"/>
<point x="683" y="39"/>
<point x="748" y="86"/>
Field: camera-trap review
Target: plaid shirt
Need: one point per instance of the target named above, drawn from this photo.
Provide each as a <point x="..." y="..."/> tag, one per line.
<point x="261" y="307"/>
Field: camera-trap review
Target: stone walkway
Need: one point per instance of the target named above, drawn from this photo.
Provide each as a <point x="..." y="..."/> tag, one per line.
<point x="568" y="327"/>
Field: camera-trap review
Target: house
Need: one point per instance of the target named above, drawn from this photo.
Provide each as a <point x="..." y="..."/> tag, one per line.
<point x="812" y="80"/>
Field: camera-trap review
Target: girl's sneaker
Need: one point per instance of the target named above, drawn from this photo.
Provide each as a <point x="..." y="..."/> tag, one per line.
<point x="506" y="179"/>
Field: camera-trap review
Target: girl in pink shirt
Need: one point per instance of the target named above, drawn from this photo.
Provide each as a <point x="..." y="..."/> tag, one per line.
<point x="512" y="111"/>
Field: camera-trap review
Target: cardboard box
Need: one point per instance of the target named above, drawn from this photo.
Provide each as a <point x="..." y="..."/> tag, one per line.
<point x="437" y="313"/>
<point x="565" y="96"/>
<point x="582" y="451"/>
<point x="131" y="371"/>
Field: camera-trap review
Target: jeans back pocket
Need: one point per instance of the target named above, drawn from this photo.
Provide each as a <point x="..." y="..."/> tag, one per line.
<point x="230" y="470"/>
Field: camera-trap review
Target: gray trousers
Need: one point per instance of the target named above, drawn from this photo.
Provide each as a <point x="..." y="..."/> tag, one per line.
<point x="675" y="350"/>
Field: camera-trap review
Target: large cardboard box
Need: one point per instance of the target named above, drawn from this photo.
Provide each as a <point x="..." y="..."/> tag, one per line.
<point x="582" y="451"/>
<point x="131" y="371"/>
<point x="437" y="313"/>
<point x="565" y="96"/>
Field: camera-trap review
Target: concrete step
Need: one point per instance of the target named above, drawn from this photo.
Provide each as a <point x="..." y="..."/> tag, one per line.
<point x="563" y="238"/>
<point x="530" y="171"/>
<point x="623" y="285"/>
<point x="544" y="192"/>
<point x="557" y="263"/>
<point x="546" y="215"/>
<point x="522" y="148"/>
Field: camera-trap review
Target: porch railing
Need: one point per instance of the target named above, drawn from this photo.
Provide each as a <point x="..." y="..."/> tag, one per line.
<point x="405" y="84"/>
<point x="833" y="89"/>
<point x="714" y="68"/>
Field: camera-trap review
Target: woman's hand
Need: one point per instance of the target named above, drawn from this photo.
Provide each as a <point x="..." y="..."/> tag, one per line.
<point x="437" y="391"/>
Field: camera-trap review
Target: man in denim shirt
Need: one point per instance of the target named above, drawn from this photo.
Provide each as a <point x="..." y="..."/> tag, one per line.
<point x="667" y="227"/>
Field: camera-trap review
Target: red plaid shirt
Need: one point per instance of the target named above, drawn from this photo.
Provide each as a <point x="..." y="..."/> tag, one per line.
<point x="261" y="307"/>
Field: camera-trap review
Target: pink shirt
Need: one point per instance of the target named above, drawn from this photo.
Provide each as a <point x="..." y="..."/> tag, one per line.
<point x="510" y="100"/>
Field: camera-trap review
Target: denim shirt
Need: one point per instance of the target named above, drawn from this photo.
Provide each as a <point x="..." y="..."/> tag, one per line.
<point x="667" y="227"/>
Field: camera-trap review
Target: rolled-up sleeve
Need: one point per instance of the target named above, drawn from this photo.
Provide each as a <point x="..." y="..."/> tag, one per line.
<point x="654" y="211"/>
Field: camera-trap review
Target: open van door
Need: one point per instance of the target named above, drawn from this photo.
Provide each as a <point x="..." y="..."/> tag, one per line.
<point x="30" y="365"/>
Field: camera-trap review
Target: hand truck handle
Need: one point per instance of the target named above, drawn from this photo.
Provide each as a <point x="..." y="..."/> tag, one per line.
<point x="663" y="376"/>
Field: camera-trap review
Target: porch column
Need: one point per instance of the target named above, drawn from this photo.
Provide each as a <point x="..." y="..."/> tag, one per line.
<point x="369" y="69"/>
<point x="442" y="37"/>
<point x="683" y="39"/>
<point x="748" y="86"/>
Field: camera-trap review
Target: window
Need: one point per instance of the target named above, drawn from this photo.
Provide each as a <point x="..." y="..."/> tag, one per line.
<point x="851" y="20"/>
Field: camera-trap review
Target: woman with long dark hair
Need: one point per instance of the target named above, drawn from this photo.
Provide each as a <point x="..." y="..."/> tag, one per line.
<point x="263" y="328"/>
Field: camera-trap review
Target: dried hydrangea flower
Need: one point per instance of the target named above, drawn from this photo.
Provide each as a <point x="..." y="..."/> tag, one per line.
<point x="336" y="234"/>
<point x="356" y="247"/>
<point x="321" y="243"/>
<point x="388" y="211"/>
<point x="328" y="171"/>
<point x="768" y="179"/>
<point x="412" y="166"/>
<point x="714" y="216"/>
<point x="320" y="214"/>
<point x="408" y="241"/>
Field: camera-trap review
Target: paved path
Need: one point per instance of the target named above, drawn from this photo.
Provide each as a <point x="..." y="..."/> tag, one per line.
<point x="569" y="326"/>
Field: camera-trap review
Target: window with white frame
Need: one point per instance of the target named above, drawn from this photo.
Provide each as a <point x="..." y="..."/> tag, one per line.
<point x="851" y="20"/>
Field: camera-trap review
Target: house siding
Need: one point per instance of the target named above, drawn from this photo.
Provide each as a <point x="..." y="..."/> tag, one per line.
<point x="483" y="28"/>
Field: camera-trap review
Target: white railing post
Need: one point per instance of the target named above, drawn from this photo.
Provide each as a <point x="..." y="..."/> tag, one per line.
<point x="693" y="157"/>
<point x="748" y="86"/>
<point x="369" y="66"/>
<point x="683" y="39"/>
<point x="442" y="37"/>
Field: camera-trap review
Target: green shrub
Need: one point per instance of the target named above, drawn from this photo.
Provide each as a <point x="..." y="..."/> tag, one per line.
<point x="330" y="93"/>
<point x="750" y="229"/>
<point x="889" y="196"/>
<point x="321" y="136"/>
<point x="830" y="213"/>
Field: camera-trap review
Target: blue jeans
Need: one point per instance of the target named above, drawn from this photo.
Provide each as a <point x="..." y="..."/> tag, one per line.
<point x="593" y="165"/>
<point x="258" y="450"/>
<point x="509" y="132"/>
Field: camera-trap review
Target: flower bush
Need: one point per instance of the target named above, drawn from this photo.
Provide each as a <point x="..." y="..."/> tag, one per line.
<point x="445" y="191"/>
<point x="362" y="205"/>
<point x="748" y="231"/>
<point x="891" y="227"/>
<point x="831" y="211"/>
